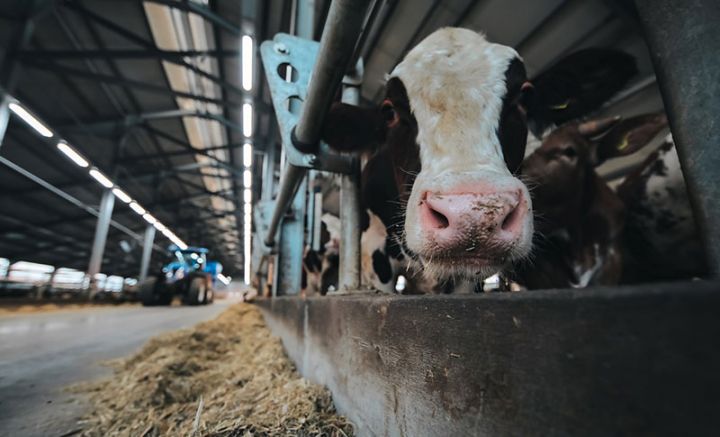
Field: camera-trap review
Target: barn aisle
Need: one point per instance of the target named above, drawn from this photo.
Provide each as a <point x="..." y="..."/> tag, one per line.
<point x="40" y="354"/>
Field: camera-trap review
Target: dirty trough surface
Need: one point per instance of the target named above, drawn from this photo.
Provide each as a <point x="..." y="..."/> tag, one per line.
<point x="225" y="377"/>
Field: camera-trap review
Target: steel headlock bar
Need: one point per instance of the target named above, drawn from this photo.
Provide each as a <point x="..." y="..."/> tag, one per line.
<point x="299" y="54"/>
<point x="326" y="64"/>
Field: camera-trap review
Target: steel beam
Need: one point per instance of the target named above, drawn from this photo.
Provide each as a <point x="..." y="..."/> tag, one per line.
<point x="130" y="120"/>
<point x="101" y="231"/>
<point x="134" y="158"/>
<point x="150" y="45"/>
<point x="147" y="252"/>
<point x="9" y="72"/>
<point x="684" y="42"/>
<point x="188" y="146"/>
<point x="145" y="53"/>
<point x="4" y="117"/>
<point x="105" y="78"/>
<point x="202" y="11"/>
<point x="134" y="177"/>
<point x="69" y="198"/>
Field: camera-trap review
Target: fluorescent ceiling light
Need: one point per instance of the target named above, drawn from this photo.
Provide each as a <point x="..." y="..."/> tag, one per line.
<point x="150" y="219"/>
<point x="181" y="245"/>
<point x="247" y="209"/>
<point x="247" y="179"/>
<point x="120" y="194"/>
<point x="72" y="154"/>
<point x="137" y="208"/>
<point x="30" y="119"/>
<point x="247" y="62"/>
<point x="104" y="181"/>
<point x="159" y="226"/>
<point x="247" y="195"/>
<point x="247" y="154"/>
<point x="247" y="114"/>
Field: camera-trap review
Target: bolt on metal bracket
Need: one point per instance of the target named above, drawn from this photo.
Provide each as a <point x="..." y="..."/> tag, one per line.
<point x="300" y="54"/>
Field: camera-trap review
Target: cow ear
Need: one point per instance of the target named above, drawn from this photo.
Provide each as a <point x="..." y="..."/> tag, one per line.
<point x="629" y="136"/>
<point x="576" y="85"/>
<point x="350" y="128"/>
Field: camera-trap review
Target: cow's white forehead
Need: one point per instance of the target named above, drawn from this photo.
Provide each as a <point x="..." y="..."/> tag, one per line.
<point x="455" y="81"/>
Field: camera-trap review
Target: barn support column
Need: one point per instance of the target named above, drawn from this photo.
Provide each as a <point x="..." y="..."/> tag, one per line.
<point x="684" y="41"/>
<point x="101" y="232"/>
<point x="147" y="252"/>
<point x="349" y="274"/>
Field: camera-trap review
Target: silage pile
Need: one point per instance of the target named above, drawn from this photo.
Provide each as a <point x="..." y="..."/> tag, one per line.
<point x="225" y="377"/>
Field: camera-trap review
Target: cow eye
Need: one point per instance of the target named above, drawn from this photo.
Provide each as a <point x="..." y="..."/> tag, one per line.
<point x="569" y="152"/>
<point x="389" y="114"/>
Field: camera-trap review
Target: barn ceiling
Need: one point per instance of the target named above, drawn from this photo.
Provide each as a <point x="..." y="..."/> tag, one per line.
<point x="150" y="92"/>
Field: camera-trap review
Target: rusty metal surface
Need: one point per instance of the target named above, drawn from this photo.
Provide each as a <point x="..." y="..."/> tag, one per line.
<point x="630" y="361"/>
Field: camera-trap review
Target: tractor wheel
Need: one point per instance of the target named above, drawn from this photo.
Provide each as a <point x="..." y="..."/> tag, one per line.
<point x="151" y="293"/>
<point x="209" y="296"/>
<point x="197" y="290"/>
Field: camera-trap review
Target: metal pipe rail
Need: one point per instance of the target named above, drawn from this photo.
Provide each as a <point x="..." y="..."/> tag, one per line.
<point x="342" y="30"/>
<point x="85" y="207"/>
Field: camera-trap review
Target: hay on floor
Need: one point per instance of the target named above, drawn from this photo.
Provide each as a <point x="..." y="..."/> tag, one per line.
<point x="225" y="377"/>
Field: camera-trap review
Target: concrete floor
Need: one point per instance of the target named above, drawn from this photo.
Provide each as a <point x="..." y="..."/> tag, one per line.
<point x="41" y="354"/>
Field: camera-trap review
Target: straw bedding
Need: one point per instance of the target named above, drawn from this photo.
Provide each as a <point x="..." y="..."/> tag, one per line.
<point x="226" y="377"/>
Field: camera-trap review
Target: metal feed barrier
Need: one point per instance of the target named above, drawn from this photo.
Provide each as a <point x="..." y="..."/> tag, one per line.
<point x="598" y="361"/>
<point x="320" y="69"/>
<point x="317" y="71"/>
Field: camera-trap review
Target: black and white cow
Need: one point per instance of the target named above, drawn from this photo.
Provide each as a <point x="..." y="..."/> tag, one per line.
<point x="321" y="267"/>
<point x="445" y="145"/>
<point x="661" y="241"/>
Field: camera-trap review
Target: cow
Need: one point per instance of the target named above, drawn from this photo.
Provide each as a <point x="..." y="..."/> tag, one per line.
<point x="579" y="219"/>
<point x="320" y="267"/>
<point x="447" y="140"/>
<point x="661" y="241"/>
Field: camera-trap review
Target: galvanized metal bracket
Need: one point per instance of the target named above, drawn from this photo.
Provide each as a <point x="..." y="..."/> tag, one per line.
<point x="262" y="213"/>
<point x="300" y="54"/>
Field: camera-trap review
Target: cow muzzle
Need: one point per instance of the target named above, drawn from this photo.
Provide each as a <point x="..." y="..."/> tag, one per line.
<point x="476" y="228"/>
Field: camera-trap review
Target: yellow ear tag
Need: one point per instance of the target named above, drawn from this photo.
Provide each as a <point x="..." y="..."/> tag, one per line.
<point x="624" y="144"/>
<point x="561" y="106"/>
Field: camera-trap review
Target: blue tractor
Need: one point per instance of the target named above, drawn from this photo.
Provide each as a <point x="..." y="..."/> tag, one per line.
<point x="189" y="275"/>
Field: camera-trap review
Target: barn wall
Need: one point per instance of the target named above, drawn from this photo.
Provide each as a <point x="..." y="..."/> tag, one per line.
<point x="633" y="361"/>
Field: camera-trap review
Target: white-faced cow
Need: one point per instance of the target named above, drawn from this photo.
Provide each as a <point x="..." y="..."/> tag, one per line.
<point x="578" y="218"/>
<point x="446" y="142"/>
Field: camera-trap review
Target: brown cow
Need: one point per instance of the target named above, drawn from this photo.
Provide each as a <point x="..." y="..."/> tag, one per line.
<point x="579" y="219"/>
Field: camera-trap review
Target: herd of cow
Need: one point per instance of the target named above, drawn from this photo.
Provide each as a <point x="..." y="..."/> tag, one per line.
<point x="450" y="196"/>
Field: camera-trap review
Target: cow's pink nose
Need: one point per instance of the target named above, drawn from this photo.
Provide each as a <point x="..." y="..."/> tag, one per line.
<point x="472" y="221"/>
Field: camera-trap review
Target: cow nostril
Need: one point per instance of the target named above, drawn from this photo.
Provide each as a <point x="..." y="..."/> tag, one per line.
<point x="438" y="220"/>
<point x="511" y="219"/>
